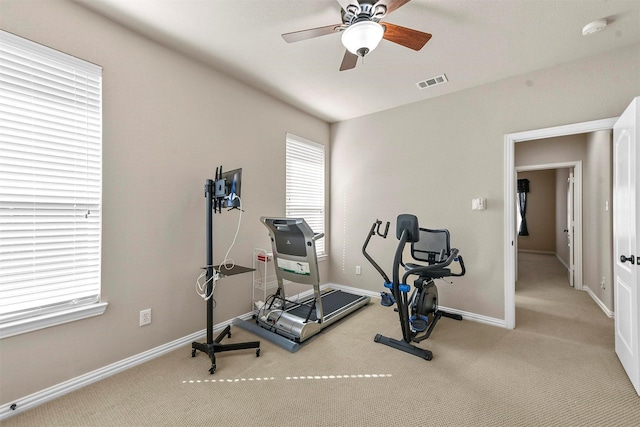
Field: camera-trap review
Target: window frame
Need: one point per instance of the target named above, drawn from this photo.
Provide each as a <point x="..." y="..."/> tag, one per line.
<point x="27" y="60"/>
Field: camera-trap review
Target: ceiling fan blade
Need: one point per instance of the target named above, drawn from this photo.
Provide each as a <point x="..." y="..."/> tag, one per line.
<point x="349" y="61"/>
<point x="297" y="36"/>
<point x="413" y="39"/>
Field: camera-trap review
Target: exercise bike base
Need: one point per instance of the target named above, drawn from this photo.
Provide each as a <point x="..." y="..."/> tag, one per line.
<point x="439" y="314"/>
<point x="404" y="346"/>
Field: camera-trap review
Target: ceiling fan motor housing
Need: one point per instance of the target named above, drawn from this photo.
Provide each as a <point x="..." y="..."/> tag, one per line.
<point x="363" y="12"/>
<point x="363" y="32"/>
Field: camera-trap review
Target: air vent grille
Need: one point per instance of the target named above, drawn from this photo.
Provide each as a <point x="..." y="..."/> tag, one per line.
<point x="432" y="81"/>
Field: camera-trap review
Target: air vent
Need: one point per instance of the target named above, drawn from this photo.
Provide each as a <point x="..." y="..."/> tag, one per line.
<point x="432" y="81"/>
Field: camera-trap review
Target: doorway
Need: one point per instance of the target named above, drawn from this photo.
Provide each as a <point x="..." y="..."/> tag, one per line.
<point x="573" y="230"/>
<point x="510" y="204"/>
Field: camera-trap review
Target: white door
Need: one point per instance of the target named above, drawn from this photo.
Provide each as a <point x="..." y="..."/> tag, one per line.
<point x="570" y="228"/>
<point x="625" y="225"/>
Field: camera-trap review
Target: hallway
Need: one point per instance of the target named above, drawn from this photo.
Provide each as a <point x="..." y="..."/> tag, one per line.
<point x="546" y="304"/>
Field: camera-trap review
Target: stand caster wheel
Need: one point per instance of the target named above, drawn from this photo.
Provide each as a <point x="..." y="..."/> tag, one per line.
<point x="193" y="352"/>
<point x="212" y="369"/>
<point x="258" y="353"/>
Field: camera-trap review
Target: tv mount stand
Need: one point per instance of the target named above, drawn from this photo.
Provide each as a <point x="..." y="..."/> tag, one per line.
<point x="213" y="346"/>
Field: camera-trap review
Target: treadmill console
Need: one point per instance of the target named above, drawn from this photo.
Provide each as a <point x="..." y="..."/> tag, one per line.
<point x="290" y="238"/>
<point x="292" y="241"/>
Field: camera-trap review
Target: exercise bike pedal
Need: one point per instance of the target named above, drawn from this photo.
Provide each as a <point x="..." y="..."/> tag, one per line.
<point x="386" y="299"/>
<point x="419" y="322"/>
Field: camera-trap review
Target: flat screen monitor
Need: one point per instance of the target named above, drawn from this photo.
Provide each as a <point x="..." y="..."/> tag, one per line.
<point x="232" y="187"/>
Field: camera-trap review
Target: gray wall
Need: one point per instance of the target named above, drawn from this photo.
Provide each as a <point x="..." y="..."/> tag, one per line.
<point x="168" y="122"/>
<point x="431" y="158"/>
<point x="568" y="148"/>
<point x="597" y="220"/>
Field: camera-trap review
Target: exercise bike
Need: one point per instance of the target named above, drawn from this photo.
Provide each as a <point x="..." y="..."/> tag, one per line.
<point x="419" y="312"/>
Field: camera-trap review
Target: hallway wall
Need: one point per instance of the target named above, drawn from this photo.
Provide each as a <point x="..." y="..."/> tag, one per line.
<point x="541" y="212"/>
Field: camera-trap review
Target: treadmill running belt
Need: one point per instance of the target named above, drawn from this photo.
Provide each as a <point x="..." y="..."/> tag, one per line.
<point x="331" y="302"/>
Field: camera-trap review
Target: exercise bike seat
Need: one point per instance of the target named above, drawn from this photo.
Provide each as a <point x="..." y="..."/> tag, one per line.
<point x="434" y="252"/>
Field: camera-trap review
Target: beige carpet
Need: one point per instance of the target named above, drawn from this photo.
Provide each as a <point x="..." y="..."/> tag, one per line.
<point x="557" y="368"/>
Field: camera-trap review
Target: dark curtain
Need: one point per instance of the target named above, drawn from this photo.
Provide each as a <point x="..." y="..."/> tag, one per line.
<point x="523" y="189"/>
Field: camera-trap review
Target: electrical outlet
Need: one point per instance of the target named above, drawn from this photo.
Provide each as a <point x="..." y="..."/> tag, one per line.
<point x="145" y="317"/>
<point x="602" y="282"/>
<point x="358" y="269"/>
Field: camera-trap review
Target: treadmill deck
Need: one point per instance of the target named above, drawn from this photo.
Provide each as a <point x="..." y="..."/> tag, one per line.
<point x="333" y="302"/>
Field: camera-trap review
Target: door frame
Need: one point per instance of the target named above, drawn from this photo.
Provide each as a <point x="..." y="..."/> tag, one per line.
<point x="510" y="177"/>
<point x="571" y="226"/>
<point x="577" y="204"/>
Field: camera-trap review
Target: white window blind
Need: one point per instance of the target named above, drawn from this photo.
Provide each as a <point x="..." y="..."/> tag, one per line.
<point x="305" y="184"/>
<point x="50" y="180"/>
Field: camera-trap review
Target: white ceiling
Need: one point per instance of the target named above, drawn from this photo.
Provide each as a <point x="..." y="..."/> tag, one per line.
<point x="474" y="42"/>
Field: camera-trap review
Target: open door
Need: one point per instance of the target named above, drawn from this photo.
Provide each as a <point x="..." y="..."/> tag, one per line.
<point x="625" y="226"/>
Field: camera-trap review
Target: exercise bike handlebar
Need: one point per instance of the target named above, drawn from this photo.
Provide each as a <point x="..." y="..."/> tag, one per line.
<point x="453" y="254"/>
<point x="463" y="270"/>
<point x="375" y="229"/>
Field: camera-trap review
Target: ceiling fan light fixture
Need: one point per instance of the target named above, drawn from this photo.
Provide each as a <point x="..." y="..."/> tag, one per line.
<point x="594" y="27"/>
<point x="362" y="37"/>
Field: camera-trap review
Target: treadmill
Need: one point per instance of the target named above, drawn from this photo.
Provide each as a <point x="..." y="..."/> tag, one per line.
<point x="295" y="260"/>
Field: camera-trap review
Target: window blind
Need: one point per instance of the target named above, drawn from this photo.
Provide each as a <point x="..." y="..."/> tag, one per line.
<point x="305" y="184"/>
<point x="50" y="180"/>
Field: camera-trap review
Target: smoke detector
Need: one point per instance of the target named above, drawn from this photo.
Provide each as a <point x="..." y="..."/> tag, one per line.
<point x="594" y="27"/>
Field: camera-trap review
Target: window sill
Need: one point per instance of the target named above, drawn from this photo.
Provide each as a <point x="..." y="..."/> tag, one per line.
<point x="40" y="322"/>
<point x="323" y="257"/>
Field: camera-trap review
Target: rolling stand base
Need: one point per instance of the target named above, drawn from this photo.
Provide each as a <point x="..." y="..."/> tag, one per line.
<point x="216" y="347"/>
<point x="403" y="346"/>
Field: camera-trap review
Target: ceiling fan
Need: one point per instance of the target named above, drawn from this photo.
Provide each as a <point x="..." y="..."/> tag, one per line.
<point x="362" y="30"/>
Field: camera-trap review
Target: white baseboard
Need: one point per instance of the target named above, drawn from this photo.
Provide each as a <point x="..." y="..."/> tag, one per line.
<point x="48" y="394"/>
<point x="610" y="314"/>
<point x="533" y="251"/>
<point x="562" y="262"/>
<point x="356" y="291"/>
<point x="477" y="317"/>
<point x="465" y="314"/>
<point x="58" y="390"/>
